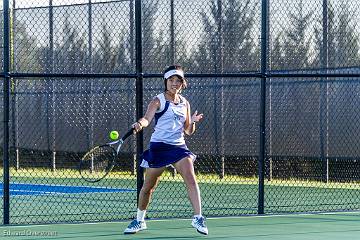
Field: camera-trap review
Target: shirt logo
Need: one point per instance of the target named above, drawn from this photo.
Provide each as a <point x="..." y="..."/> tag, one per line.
<point x="177" y="116"/>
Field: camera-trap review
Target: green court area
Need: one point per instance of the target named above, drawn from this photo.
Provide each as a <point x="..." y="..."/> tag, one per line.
<point x="42" y="198"/>
<point x="333" y="226"/>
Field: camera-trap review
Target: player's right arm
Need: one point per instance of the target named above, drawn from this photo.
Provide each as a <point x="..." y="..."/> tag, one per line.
<point x="143" y="122"/>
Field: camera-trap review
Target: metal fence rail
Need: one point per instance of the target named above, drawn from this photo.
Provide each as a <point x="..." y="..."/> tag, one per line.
<point x="277" y="81"/>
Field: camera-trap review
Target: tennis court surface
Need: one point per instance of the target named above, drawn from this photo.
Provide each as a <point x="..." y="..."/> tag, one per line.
<point x="329" y="226"/>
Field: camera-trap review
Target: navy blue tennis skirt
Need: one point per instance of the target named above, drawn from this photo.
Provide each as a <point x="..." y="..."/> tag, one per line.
<point x="161" y="154"/>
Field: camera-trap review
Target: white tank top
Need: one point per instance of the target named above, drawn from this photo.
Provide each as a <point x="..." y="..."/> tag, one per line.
<point x="170" y="121"/>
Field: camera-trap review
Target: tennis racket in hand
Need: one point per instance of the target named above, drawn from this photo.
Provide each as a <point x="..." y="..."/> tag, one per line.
<point x="98" y="162"/>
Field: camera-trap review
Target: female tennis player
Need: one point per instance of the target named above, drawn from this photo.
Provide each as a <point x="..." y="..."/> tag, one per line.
<point x="167" y="146"/>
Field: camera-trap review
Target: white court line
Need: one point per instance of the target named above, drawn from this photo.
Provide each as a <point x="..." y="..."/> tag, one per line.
<point x="183" y="219"/>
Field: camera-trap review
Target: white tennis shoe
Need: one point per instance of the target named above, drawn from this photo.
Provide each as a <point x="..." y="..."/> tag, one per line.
<point x="199" y="224"/>
<point x="135" y="226"/>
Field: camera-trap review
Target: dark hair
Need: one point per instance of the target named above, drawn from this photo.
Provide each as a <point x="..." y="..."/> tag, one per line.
<point x="175" y="67"/>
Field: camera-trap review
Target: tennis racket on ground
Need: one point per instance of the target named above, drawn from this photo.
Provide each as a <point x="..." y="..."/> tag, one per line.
<point x="98" y="162"/>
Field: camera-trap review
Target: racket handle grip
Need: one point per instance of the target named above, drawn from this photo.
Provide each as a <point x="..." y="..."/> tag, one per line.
<point x="128" y="134"/>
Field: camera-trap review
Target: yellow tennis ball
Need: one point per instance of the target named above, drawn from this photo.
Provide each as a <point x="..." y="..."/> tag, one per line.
<point x="114" y="135"/>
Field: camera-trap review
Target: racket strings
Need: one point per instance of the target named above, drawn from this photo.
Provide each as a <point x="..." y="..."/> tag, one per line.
<point x="97" y="163"/>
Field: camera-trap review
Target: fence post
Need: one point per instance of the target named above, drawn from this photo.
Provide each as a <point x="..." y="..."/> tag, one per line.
<point x="324" y="96"/>
<point x="132" y="61"/>
<point x="13" y="87"/>
<point x="6" y="102"/>
<point x="172" y="33"/>
<point x="269" y="158"/>
<point x="262" y="154"/>
<point x="221" y="88"/>
<point x="139" y="95"/>
<point x="90" y="100"/>
<point x="50" y="108"/>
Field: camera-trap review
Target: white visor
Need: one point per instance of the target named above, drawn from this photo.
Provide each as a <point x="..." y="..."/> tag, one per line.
<point x="174" y="72"/>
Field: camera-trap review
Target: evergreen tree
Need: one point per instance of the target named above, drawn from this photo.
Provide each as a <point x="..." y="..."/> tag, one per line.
<point x="234" y="41"/>
<point x="70" y="55"/>
<point x="296" y="44"/>
<point x="25" y="52"/>
<point x="347" y="39"/>
<point x="277" y="58"/>
<point x="156" y="42"/>
<point x="105" y="59"/>
<point x="154" y="57"/>
<point x="343" y="39"/>
<point x="123" y="61"/>
<point x="111" y="57"/>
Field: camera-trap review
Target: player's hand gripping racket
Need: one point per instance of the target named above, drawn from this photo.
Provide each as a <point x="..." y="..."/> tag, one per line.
<point x="97" y="163"/>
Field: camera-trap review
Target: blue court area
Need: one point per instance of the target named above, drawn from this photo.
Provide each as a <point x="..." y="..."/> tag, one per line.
<point x="42" y="189"/>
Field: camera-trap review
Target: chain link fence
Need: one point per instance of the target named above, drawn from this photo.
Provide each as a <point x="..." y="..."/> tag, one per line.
<point x="73" y="79"/>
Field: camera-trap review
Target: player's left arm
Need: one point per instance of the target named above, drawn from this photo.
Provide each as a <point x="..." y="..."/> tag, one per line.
<point x="191" y="120"/>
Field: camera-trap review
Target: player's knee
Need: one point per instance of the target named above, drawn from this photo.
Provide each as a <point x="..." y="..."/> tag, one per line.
<point x="148" y="189"/>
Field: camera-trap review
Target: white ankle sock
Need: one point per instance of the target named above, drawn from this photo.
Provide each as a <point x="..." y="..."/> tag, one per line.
<point x="197" y="216"/>
<point x="140" y="216"/>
